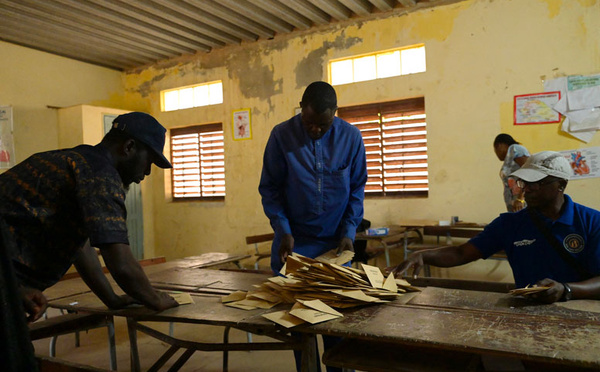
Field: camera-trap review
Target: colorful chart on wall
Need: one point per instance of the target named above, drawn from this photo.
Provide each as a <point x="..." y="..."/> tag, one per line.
<point x="536" y="108"/>
<point x="584" y="162"/>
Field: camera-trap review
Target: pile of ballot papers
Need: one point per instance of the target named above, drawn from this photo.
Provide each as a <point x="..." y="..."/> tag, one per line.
<point x="529" y="290"/>
<point x="316" y="286"/>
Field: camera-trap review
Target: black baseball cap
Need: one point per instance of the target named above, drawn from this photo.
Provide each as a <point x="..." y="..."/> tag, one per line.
<point x="146" y="129"/>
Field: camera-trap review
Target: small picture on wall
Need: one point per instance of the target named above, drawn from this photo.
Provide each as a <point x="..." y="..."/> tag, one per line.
<point x="242" y="128"/>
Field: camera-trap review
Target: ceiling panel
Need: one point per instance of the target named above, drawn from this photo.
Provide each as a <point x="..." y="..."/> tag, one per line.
<point x="127" y="34"/>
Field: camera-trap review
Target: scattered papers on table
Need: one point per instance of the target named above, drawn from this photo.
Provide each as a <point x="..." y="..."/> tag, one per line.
<point x="316" y="286"/>
<point x="182" y="298"/>
<point x="529" y="290"/>
<point x="283" y="318"/>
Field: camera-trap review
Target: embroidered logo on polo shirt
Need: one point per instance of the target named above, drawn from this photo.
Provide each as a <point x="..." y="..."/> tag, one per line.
<point x="573" y="243"/>
<point x="524" y="242"/>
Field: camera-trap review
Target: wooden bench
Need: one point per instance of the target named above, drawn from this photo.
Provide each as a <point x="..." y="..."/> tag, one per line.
<point x="256" y="240"/>
<point x="74" y="323"/>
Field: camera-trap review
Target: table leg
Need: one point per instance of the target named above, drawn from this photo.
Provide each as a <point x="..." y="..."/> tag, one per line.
<point x="386" y="251"/>
<point x="134" y="354"/>
<point x="309" y="353"/>
<point x="405" y="243"/>
<point x="226" y="352"/>
<point x="112" y="346"/>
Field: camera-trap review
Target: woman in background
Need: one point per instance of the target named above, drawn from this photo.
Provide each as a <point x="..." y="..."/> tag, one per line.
<point x="513" y="155"/>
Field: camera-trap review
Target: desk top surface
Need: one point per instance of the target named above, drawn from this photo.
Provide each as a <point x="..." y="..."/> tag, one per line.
<point x="169" y="275"/>
<point x="451" y="319"/>
<point x="530" y="337"/>
<point x="205" y="280"/>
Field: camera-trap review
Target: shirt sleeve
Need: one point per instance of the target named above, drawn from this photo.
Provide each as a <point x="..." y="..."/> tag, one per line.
<point x="488" y="242"/>
<point x="519" y="151"/>
<point x="358" y="178"/>
<point x="271" y="187"/>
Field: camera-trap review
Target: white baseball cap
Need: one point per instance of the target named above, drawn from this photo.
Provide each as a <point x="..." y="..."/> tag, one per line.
<point x="543" y="164"/>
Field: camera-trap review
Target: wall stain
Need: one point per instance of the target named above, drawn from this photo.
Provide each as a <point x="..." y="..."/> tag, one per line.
<point x="310" y="68"/>
<point x="553" y="8"/>
<point x="145" y="88"/>
<point x="256" y="80"/>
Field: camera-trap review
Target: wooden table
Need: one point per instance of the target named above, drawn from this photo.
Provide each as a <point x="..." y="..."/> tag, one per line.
<point x="442" y="320"/>
<point x="484" y="323"/>
<point x="206" y="287"/>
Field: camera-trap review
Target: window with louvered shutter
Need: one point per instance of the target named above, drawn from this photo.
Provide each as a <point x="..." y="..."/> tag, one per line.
<point x="395" y="137"/>
<point x="198" y="158"/>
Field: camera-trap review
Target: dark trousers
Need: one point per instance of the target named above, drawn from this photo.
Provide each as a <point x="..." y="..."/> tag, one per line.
<point x="16" y="349"/>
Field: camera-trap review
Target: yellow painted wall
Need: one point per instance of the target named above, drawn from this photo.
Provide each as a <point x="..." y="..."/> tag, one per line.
<point x="480" y="54"/>
<point x="31" y="81"/>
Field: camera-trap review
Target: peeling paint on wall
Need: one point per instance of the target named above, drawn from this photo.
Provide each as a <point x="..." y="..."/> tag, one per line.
<point x="145" y="88"/>
<point x="310" y="68"/>
<point x="255" y="77"/>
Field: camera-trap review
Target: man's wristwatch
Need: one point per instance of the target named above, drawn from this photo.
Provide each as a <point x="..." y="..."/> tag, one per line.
<point x="567" y="292"/>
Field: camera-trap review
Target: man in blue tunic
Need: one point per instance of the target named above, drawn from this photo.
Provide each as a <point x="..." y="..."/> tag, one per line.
<point x="553" y="241"/>
<point x="313" y="180"/>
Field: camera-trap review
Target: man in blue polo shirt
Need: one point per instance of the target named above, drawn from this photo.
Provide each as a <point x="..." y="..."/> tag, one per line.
<point x="554" y="241"/>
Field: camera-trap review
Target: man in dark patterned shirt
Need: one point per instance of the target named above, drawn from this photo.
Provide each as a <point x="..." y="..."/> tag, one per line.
<point x="57" y="205"/>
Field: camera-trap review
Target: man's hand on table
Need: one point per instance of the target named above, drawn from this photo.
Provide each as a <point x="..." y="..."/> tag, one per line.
<point x="120" y="302"/>
<point x="34" y="302"/>
<point x="345" y="245"/>
<point x="552" y="294"/>
<point x="285" y="247"/>
<point x="165" y="302"/>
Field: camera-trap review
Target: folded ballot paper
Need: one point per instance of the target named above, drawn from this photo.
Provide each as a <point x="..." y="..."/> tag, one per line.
<point x="316" y="287"/>
<point x="529" y="290"/>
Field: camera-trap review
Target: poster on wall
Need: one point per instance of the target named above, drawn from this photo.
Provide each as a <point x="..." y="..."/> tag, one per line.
<point x="584" y="162"/>
<point x="579" y="104"/>
<point x="536" y="108"/>
<point x="242" y="129"/>
<point x="7" y="148"/>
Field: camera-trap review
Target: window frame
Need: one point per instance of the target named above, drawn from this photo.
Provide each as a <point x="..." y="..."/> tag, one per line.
<point x="378" y="75"/>
<point x="368" y="114"/>
<point x="163" y="93"/>
<point x="196" y="129"/>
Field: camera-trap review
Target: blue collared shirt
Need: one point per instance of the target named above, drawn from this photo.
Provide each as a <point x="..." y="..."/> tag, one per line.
<point x="530" y="255"/>
<point x="313" y="189"/>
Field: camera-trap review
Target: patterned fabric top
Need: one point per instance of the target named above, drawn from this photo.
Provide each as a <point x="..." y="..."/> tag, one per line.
<point x="509" y="166"/>
<point x="53" y="202"/>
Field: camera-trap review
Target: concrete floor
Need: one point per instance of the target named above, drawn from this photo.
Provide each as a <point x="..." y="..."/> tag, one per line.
<point x="93" y="349"/>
